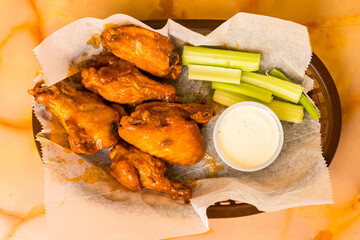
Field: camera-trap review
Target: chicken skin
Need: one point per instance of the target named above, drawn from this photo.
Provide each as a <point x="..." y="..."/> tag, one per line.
<point x="107" y="59"/>
<point x="191" y="111"/>
<point x="90" y="123"/>
<point x="148" y="50"/>
<point x="120" y="81"/>
<point x="136" y="170"/>
<point x="164" y="133"/>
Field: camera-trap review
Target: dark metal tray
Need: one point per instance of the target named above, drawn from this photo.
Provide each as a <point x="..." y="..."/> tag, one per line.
<point x="325" y="96"/>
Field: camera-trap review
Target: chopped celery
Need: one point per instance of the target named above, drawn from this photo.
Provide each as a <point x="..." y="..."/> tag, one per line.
<point x="284" y="111"/>
<point x="215" y="74"/>
<point x="287" y="111"/>
<point x="309" y="106"/>
<point x="229" y="98"/>
<point x="283" y="89"/>
<point x="304" y="99"/>
<point x="278" y="74"/>
<point x="221" y="58"/>
<point x="245" y="89"/>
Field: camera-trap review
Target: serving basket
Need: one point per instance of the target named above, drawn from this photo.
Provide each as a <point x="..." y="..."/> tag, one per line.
<point x="324" y="95"/>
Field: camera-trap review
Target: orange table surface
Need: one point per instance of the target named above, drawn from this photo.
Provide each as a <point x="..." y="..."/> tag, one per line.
<point x="334" y="28"/>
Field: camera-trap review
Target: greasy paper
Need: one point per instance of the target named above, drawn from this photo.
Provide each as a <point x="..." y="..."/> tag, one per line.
<point x="82" y="200"/>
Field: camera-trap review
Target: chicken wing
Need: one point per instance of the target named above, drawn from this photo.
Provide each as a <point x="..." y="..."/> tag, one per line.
<point x="190" y="111"/>
<point x="136" y="170"/>
<point x="90" y="123"/>
<point x="165" y="133"/>
<point x="119" y="81"/>
<point x="148" y="50"/>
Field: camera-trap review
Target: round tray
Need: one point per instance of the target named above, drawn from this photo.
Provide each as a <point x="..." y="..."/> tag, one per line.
<point x="324" y="94"/>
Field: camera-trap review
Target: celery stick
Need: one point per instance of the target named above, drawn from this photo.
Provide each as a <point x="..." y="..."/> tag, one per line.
<point x="304" y="99"/>
<point x="221" y="58"/>
<point x="214" y="74"/>
<point x="309" y="106"/>
<point x="245" y="89"/>
<point x="283" y="89"/>
<point x="278" y="74"/>
<point x="284" y="111"/>
<point x="229" y="98"/>
<point x="287" y="111"/>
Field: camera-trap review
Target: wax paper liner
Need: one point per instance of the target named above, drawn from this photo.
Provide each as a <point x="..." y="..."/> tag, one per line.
<point x="98" y="206"/>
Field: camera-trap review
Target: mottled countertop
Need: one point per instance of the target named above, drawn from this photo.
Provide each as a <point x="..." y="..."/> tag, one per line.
<point x="334" y="28"/>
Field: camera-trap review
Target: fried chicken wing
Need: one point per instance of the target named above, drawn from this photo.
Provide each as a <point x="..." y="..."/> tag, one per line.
<point x="190" y="111"/>
<point x="165" y="132"/>
<point x="107" y="59"/>
<point x="136" y="170"/>
<point x="148" y="50"/>
<point x="122" y="112"/>
<point x="119" y="81"/>
<point x="90" y="123"/>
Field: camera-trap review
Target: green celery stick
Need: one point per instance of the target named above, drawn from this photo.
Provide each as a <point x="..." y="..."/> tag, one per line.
<point x="309" y="106"/>
<point x="287" y="111"/>
<point x="278" y="74"/>
<point x="280" y="88"/>
<point x="245" y="89"/>
<point x="229" y="98"/>
<point x="284" y="111"/>
<point x="221" y="58"/>
<point x="304" y="99"/>
<point x="214" y="74"/>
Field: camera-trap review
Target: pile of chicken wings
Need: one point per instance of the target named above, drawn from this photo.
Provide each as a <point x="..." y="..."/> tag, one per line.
<point x="158" y="130"/>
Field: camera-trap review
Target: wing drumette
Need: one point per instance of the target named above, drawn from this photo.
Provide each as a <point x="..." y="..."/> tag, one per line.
<point x="136" y="170"/>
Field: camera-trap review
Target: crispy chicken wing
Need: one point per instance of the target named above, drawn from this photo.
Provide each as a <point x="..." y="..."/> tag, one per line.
<point x="136" y="170"/>
<point x="122" y="112"/>
<point x="165" y="132"/>
<point x="120" y="81"/>
<point x="90" y="123"/>
<point x="107" y="59"/>
<point x="148" y="50"/>
<point x="190" y="111"/>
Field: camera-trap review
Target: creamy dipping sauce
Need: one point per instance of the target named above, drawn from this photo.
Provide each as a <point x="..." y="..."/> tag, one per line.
<point x="248" y="136"/>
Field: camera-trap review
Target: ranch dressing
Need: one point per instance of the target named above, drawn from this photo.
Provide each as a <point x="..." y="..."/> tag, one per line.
<point x="248" y="136"/>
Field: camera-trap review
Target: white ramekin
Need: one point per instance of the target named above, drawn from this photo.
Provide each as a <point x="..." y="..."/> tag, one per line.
<point x="271" y="114"/>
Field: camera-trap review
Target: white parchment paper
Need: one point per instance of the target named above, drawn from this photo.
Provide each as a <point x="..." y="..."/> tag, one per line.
<point x="83" y="201"/>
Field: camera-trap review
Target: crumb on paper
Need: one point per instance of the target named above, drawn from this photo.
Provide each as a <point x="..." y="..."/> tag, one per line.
<point x="61" y="161"/>
<point x="81" y="161"/>
<point x="67" y="150"/>
<point x="94" y="41"/>
<point x="212" y="168"/>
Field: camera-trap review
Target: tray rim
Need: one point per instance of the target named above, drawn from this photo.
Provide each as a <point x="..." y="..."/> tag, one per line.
<point x="243" y="209"/>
